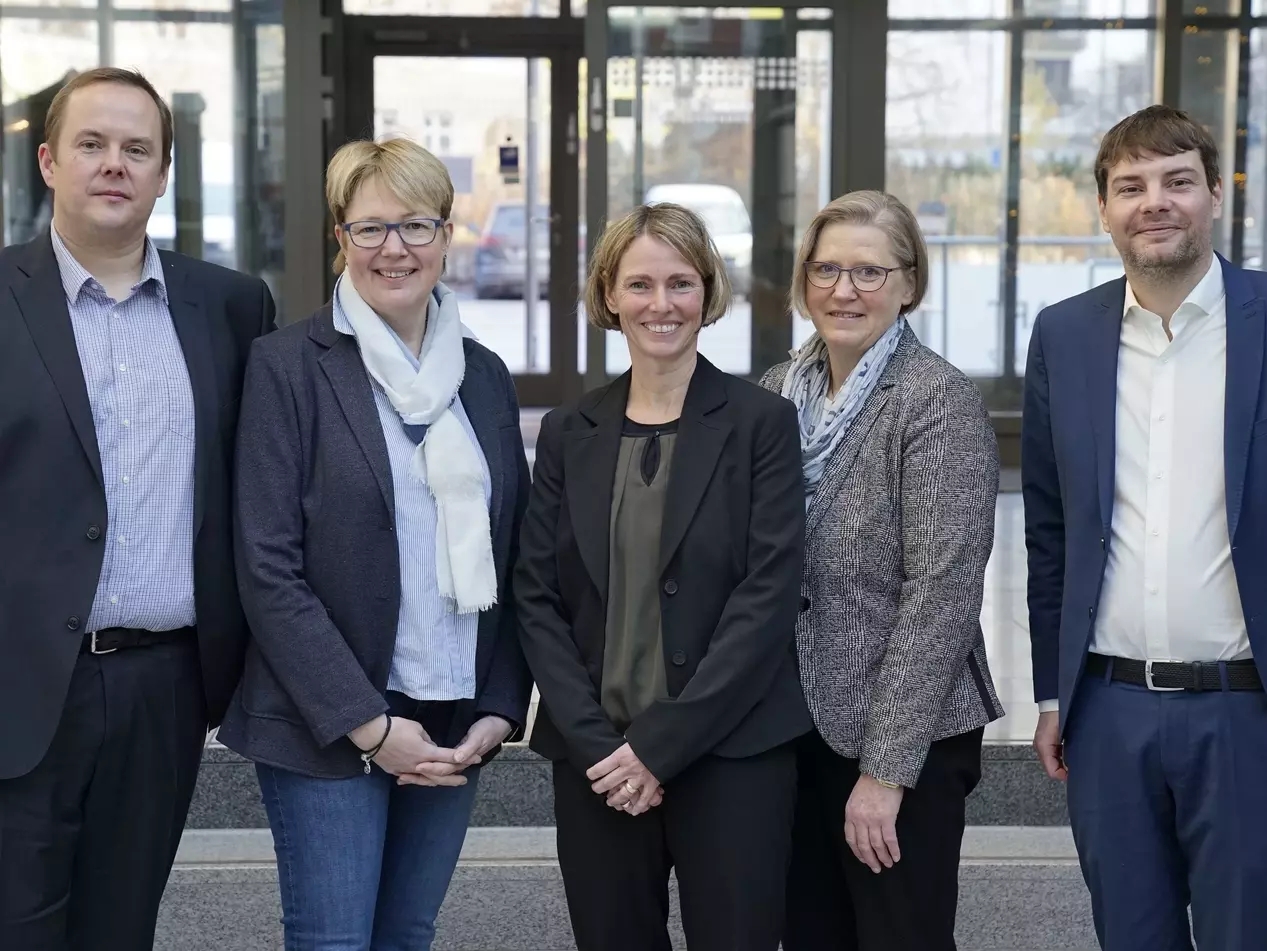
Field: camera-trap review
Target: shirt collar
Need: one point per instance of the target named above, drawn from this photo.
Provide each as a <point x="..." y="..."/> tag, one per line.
<point x="75" y="276"/>
<point x="1204" y="298"/>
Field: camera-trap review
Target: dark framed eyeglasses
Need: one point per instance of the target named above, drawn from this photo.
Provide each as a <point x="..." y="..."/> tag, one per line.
<point x="416" y="232"/>
<point x="865" y="277"/>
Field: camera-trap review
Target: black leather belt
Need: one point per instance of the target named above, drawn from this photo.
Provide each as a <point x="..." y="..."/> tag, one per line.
<point x="111" y="639"/>
<point x="1170" y="675"/>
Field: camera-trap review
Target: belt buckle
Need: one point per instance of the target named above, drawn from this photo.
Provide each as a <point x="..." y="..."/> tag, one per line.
<point x="92" y="646"/>
<point x="1148" y="680"/>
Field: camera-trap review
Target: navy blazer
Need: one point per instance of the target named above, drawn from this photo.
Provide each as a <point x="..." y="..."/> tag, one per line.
<point x="318" y="563"/>
<point x="52" y="497"/>
<point x="1068" y="456"/>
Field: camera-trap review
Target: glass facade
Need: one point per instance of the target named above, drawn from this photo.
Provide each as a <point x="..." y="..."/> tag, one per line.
<point x="218" y="63"/>
<point x="987" y="125"/>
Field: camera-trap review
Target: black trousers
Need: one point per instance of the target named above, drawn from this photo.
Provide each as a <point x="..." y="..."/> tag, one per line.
<point x="725" y="827"/>
<point x="835" y="903"/>
<point x="87" y="838"/>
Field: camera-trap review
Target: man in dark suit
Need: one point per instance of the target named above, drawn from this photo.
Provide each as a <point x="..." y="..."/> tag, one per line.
<point x="121" y="635"/>
<point x="1145" y="481"/>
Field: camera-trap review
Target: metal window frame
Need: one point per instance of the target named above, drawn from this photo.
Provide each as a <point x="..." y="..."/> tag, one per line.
<point x="361" y="38"/>
<point x="859" y="61"/>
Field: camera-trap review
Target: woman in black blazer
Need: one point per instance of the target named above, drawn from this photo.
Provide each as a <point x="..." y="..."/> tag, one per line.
<point x="658" y="587"/>
<point x="381" y="481"/>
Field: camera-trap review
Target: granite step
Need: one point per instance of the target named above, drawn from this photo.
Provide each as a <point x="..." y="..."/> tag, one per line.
<point x="515" y="790"/>
<point x="1020" y="890"/>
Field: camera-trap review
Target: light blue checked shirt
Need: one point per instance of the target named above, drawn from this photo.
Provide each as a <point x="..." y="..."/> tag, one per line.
<point x="143" y="412"/>
<point x="435" y="647"/>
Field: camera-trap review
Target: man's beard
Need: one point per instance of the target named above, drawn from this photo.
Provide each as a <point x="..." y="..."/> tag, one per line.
<point x="1190" y="251"/>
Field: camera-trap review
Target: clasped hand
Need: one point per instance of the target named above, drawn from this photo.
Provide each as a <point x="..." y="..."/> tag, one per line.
<point x="626" y="782"/>
<point x="414" y="759"/>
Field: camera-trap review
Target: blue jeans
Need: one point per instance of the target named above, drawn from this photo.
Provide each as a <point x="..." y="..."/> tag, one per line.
<point x="363" y="863"/>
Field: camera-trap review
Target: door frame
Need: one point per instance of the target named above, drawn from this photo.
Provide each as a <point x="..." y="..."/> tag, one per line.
<point x="559" y="40"/>
<point x="858" y="62"/>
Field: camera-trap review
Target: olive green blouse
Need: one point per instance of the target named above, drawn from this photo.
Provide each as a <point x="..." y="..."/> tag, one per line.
<point x="633" y="655"/>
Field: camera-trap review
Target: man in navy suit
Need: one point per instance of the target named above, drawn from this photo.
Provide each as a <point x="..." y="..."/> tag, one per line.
<point x="122" y="636"/>
<point x="1144" y="458"/>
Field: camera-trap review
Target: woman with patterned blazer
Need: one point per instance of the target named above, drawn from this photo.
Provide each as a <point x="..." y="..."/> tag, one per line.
<point x="901" y="474"/>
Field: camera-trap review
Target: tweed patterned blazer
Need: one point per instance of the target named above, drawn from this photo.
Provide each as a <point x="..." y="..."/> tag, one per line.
<point x="898" y="534"/>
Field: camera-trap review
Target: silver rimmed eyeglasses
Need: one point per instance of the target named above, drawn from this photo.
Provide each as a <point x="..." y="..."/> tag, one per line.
<point x="865" y="277"/>
<point x="417" y="232"/>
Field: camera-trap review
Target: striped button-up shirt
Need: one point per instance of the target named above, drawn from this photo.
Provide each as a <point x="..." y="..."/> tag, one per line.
<point x="143" y="412"/>
<point x="435" y="646"/>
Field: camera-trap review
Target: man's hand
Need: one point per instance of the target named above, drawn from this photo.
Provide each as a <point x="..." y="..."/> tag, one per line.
<point x="871" y="823"/>
<point x="633" y="787"/>
<point x="1051" y="752"/>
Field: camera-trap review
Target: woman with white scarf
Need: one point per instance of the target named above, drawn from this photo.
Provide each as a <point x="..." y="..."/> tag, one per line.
<point x="901" y="473"/>
<point x="381" y="480"/>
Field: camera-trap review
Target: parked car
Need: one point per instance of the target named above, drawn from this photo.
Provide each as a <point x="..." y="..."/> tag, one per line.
<point x="724" y="212"/>
<point x="501" y="257"/>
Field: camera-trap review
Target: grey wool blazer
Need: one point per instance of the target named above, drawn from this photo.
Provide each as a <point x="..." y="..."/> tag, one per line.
<point x="897" y="537"/>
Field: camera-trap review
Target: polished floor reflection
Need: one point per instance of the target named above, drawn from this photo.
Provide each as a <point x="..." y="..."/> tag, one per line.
<point x="1005" y="620"/>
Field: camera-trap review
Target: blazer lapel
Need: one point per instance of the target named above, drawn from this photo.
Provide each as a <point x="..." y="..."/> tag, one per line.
<point x="1103" y="334"/>
<point x="486" y="416"/>
<point x="1245" y="349"/>
<point x="190" y="320"/>
<point x="699" y="444"/>
<point x="351" y="385"/>
<point x="42" y="302"/>
<point x="589" y="465"/>
<point x="847" y="453"/>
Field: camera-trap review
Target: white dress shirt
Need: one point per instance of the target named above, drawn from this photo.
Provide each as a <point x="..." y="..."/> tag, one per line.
<point x="1170" y="592"/>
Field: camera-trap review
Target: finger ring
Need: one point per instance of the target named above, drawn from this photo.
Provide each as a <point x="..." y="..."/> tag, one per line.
<point x="630" y="788"/>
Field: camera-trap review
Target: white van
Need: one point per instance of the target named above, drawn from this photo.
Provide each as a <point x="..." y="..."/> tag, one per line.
<point x="727" y="218"/>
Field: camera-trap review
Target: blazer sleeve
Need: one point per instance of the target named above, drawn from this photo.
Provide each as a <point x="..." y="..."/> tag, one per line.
<point x="288" y="622"/>
<point x="949" y="490"/>
<point x="757" y="625"/>
<point x="545" y="629"/>
<point x="1044" y="522"/>
<point x="508" y="688"/>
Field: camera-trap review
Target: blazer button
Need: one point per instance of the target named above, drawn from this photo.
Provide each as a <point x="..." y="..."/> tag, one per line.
<point x="679" y="658"/>
<point x="72" y="622"/>
<point x="670" y="587"/>
<point x="1091" y="611"/>
<point x="93" y="533"/>
<point x="804" y="604"/>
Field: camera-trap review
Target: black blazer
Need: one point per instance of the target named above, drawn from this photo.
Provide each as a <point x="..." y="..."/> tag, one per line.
<point x="318" y="560"/>
<point x="730" y="555"/>
<point x="53" y="501"/>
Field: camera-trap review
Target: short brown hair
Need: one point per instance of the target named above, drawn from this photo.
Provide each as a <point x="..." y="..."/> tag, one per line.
<point x="879" y="210"/>
<point x="107" y="74"/>
<point x="1155" y="130"/>
<point x="678" y="227"/>
<point x="408" y="171"/>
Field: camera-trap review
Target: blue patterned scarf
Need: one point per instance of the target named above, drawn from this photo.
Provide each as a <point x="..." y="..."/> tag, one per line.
<point x="824" y="421"/>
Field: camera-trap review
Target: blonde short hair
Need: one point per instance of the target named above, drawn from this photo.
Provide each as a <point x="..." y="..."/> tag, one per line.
<point x="682" y="230"/>
<point x="409" y="172"/>
<point x="880" y="210"/>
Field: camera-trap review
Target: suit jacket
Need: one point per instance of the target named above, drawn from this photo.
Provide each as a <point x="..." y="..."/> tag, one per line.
<point x="51" y="488"/>
<point x="1068" y="465"/>
<point x="318" y="559"/>
<point x="730" y="567"/>
<point x="897" y="539"/>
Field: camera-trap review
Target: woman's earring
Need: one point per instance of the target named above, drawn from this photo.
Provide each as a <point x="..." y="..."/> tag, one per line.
<point x="444" y="264"/>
